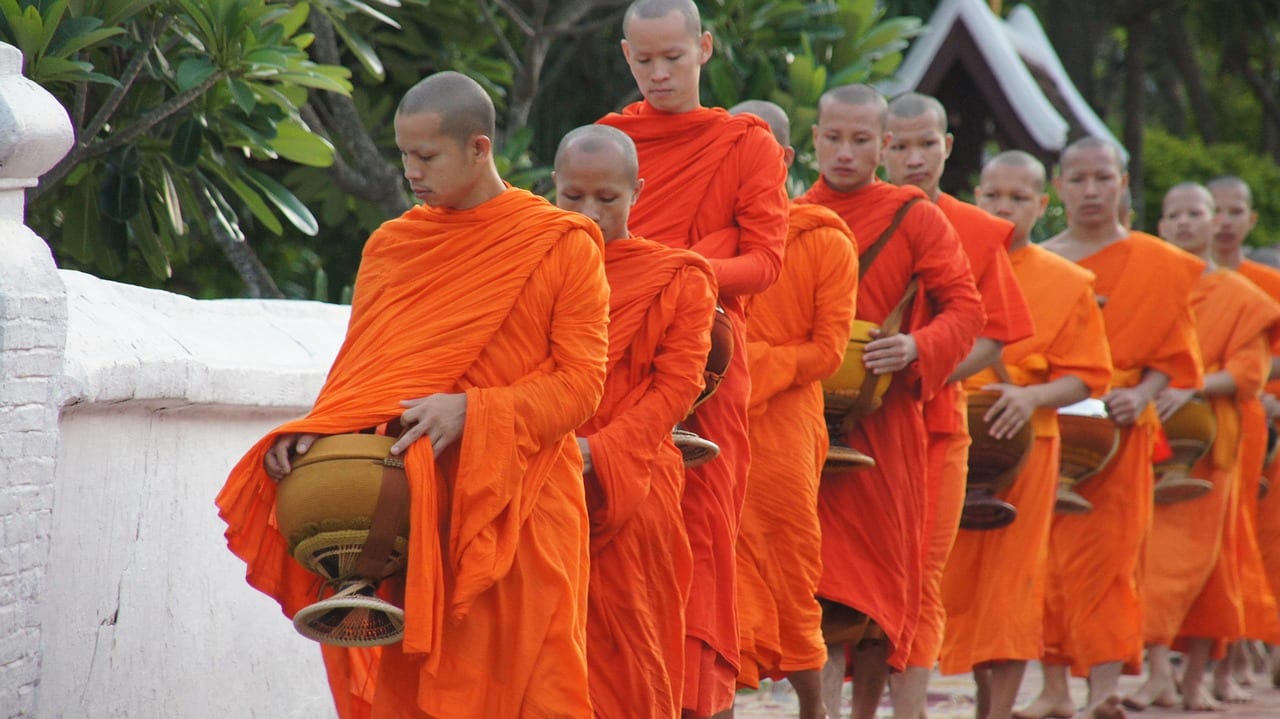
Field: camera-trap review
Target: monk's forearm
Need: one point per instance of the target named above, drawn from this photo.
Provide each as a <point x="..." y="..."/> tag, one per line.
<point x="985" y="352"/>
<point x="1152" y="382"/>
<point x="1061" y="392"/>
<point x="1275" y="369"/>
<point x="1219" y="384"/>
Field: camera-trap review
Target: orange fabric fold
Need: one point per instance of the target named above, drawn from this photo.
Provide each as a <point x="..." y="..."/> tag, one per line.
<point x="993" y="586"/>
<point x="984" y="238"/>
<point x="716" y="184"/>
<point x="1093" y="609"/>
<point x="660" y="312"/>
<point x="498" y="539"/>
<point x="797" y="336"/>
<point x="858" y="511"/>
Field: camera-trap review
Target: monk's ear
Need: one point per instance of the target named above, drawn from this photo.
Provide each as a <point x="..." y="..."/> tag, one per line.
<point x="948" y="140"/>
<point x="788" y="155"/>
<point x="1124" y="180"/>
<point x="1044" y="205"/>
<point x="635" y="193"/>
<point x="705" y="47"/>
<point x="481" y="146"/>
<point x="626" y="50"/>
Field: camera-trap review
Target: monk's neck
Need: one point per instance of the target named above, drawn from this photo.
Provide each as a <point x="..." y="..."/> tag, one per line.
<point x="1019" y="243"/>
<point x="1229" y="258"/>
<point x="1097" y="235"/>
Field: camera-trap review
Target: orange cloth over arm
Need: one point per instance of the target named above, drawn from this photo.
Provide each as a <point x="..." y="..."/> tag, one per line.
<point x="993" y="586"/>
<point x="660" y="316"/>
<point x="797" y="336"/>
<point x="715" y="183"/>
<point x="528" y="310"/>
<point x="861" y="568"/>
<point x="1093" y="609"/>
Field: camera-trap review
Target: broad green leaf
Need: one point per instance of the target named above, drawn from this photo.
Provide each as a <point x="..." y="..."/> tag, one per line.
<point x="243" y="95"/>
<point x="188" y="142"/>
<point x="193" y="71"/>
<point x="172" y="202"/>
<point x="253" y="200"/>
<point x="373" y="13"/>
<point x="293" y="20"/>
<point x="149" y="246"/>
<point x="80" y="213"/>
<point x="288" y="203"/>
<point x="295" y="142"/>
<point x="315" y="80"/>
<point x="120" y="195"/>
<point x="363" y="51"/>
<point x="267" y="56"/>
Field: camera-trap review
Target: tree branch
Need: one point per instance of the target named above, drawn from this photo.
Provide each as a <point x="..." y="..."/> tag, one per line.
<point x="257" y="280"/>
<point x="508" y="50"/>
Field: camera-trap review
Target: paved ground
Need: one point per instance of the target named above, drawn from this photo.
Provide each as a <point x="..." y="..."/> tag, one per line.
<point x="952" y="698"/>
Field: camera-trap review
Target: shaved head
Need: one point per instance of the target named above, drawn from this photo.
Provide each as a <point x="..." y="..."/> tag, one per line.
<point x="1231" y="182"/>
<point x="914" y="104"/>
<point x="858" y="95"/>
<point x="465" y="109"/>
<point x="775" y="116"/>
<point x="594" y="139"/>
<point x="1094" y="143"/>
<point x="654" y="9"/>
<point x="1192" y="187"/>
<point x="1022" y="161"/>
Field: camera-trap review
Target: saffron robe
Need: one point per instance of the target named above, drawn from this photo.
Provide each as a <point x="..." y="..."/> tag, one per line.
<point x="993" y="587"/>
<point x="1191" y="577"/>
<point x="985" y="239"/>
<point x="715" y="183"/>
<point x="1260" y="577"/>
<point x="661" y="306"/>
<point x="1093" y="612"/>
<point x="494" y="591"/>
<point x="796" y="338"/>
<point x="873" y="519"/>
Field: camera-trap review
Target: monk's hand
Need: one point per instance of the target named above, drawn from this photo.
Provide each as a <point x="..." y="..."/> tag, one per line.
<point x="1126" y="404"/>
<point x="277" y="460"/>
<point x="1008" y="414"/>
<point x="439" y="417"/>
<point x="884" y="355"/>
<point x="1171" y="399"/>
<point x="1271" y="405"/>
<point x="585" y="448"/>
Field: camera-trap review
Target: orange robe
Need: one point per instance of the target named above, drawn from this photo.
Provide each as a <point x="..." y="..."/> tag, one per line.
<point x="1260" y="575"/>
<point x="873" y="519"/>
<point x="1190" y="578"/>
<point x="984" y="238"/>
<point x="1093" y="612"/>
<point x="506" y="302"/>
<point x="797" y="336"/>
<point x="715" y="183"/>
<point x="660" y="310"/>
<point x="1235" y="324"/>
<point x="994" y="584"/>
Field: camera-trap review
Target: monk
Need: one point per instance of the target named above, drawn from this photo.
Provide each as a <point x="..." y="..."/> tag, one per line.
<point x="1191" y="576"/>
<point x="917" y="155"/>
<point x="660" y="310"/>
<point x="1093" y="617"/>
<point x="1260" y="576"/>
<point x="716" y="185"/>
<point x="797" y="336"/>
<point x="478" y="324"/>
<point x="872" y="555"/>
<point x="994" y="583"/>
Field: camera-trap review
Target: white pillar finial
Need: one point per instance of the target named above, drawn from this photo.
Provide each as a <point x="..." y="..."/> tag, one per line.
<point x="35" y="133"/>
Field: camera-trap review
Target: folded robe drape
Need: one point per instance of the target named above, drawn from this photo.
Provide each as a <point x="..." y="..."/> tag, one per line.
<point x="661" y="305"/>
<point x="715" y="183"/>
<point x="994" y="583"/>
<point x="797" y="336"/>
<point x="1093" y="612"/>
<point x="858" y="511"/>
<point x="985" y="239"/>
<point x="506" y="302"/>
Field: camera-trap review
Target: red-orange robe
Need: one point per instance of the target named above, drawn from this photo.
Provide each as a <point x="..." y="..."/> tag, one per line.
<point x="1191" y="579"/>
<point x="873" y="519"/>
<point x="1093" y="612"/>
<point x="1260" y="575"/>
<point x="714" y="183"/>
<point x="797" y="336"/>
<point x="661" y="305"/>
<point x="994" y="583"/>
<point x="984" y="238"/>
<point x="506" y="302"/>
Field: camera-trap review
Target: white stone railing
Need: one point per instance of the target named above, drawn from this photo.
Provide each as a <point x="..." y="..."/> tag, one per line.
<point x="121" y="411"/>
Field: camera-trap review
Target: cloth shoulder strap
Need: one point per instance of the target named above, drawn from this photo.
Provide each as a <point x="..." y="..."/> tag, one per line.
<point x="865" y="260"/>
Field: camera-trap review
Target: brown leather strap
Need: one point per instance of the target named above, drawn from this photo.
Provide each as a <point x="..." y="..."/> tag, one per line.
<point x="866" y="258"/>
<point x="393" y="496"/>
<point x="892" y="324"/>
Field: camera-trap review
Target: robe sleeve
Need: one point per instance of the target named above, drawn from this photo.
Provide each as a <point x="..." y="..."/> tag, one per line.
<point x="947" y="280"/>
<point x="678" y="365"/>
<point x="1008" y="317"/>
<point x="1248" y="364"/>
<point x="761" y="214"/>
<point x="830" y="257"/>
<point x="1178" y="354"/>
<point x="1080" y="349"/>
<point x="564" y="393"/>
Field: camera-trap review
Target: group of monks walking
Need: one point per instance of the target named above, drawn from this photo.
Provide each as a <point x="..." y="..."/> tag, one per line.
<point x="564" y="562"/>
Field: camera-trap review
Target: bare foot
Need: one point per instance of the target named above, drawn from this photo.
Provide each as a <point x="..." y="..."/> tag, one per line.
<point x="1159" y="692"/>
<point x="1045" y="708"/>
<point x="1225" y="689"/>
<point x="1108" y="708"/>
<point x="1202" y="701"/>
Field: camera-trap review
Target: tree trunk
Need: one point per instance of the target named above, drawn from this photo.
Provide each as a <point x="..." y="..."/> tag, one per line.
<point x="1134" y="112"/>
<point x="1075" y="28"/>
<point x="258" y="283"/>
<point x="1183" y="53"/>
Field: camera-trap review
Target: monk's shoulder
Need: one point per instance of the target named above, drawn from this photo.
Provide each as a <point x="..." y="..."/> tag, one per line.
<point x="1038" y="265"/>
<point x="1268" y="278"/>
<point x="1244" y="290"/>
<point x="1168" y="264"/>
<point x="981" y="233"/>
<point x="806" y="217"/>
